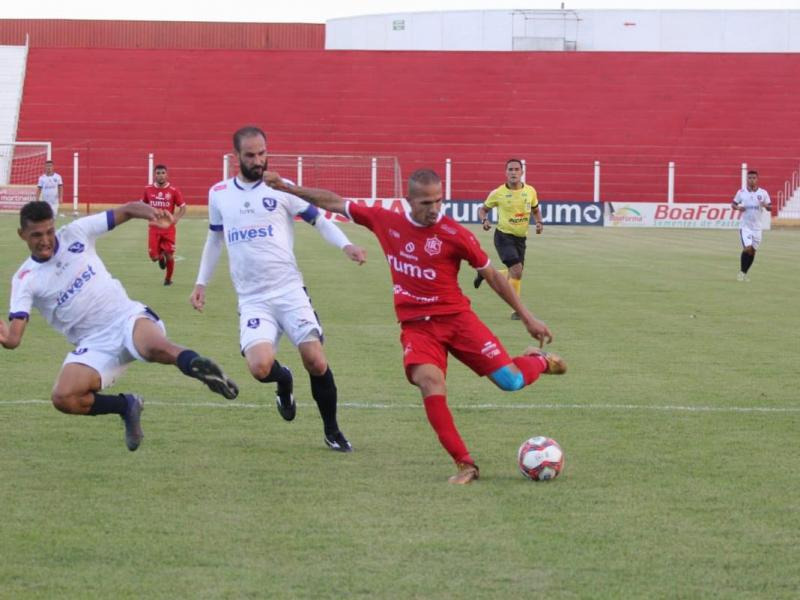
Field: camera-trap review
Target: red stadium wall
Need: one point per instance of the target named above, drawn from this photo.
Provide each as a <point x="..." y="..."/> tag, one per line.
<point x="561" y="111"/>
<point x="53" y="33"/>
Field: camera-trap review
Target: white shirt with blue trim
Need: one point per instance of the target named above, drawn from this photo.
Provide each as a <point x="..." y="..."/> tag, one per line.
<point x="257" y="223"/>
<point x="72" y="290"/>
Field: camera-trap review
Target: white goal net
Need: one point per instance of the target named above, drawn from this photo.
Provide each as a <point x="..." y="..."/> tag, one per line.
<point x="348" y="176"/>
<point x="21" y="164"/>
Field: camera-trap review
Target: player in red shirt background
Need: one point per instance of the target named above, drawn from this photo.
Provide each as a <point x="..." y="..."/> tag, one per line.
<point x="424" y="249"/>
<point x="161" y="242"/>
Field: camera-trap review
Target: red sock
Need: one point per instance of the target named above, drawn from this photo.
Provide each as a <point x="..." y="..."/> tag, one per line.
<point x="170" y="269"/>
<point x="441" y="420"/>
<point x="531" y="367"/>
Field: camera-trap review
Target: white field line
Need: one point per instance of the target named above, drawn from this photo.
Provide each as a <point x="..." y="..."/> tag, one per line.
<point x="528" y="407"/>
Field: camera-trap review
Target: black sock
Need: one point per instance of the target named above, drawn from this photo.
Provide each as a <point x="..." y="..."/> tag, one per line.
<point x="278" y="374"/>
<point x="183" y="361"/>
<point x="106" y="405"/>
<point x="747" y="261"/>
<point x="323" y="389"/>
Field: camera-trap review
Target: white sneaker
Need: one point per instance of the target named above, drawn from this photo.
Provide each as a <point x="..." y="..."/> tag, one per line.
<point x="741" y="276"/>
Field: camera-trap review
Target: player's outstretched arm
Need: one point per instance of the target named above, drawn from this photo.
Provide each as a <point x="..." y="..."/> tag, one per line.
<point x="324" y="199"/>
<point x="140" y="210"/>
<point x="538" y="329"/>
<point x="208" y="262"/>
<point x="11" y="333"/>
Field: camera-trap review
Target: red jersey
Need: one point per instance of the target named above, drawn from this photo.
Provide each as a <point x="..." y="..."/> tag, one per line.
<point x="167" y="197"/>
<point x="424" y="261"/>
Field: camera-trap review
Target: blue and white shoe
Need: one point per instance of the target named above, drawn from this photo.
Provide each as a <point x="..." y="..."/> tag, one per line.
<point x="132" y="420"/>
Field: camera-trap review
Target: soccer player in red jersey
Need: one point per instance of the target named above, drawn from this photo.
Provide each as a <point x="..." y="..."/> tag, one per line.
<point x="424" y="249"/>
<point x="161" y="242"/>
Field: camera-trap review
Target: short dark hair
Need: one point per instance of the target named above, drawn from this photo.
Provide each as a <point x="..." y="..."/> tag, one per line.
<point x="160" y="168"/>
<point x="753" y="172"/>
<point x="35" y="212"/>
<point x="246" y="131"/>
<point x="516" y="160"/>
<point x="422" y="177"/>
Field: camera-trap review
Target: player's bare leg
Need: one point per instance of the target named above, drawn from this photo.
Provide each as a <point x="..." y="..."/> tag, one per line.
<point x="153" y="346"/>
<point x="430" y="380"/>
<point x="324" y="392"/>
<point x="263" y="367"/>
<point x="75" y="392"/>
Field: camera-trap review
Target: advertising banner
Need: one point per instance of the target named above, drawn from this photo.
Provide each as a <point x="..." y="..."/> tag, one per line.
<point x="466" y="211"/>
<point x="14" y="197"/>
<point x="692" y="216"/>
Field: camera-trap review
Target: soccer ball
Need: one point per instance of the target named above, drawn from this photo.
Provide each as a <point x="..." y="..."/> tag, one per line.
<point x="540" y="458"/>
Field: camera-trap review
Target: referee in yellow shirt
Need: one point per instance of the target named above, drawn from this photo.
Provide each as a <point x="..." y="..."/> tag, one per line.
<point x="515" y="201"/>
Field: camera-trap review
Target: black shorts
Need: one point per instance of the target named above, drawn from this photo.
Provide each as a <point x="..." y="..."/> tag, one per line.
<point x="510" y="248"/>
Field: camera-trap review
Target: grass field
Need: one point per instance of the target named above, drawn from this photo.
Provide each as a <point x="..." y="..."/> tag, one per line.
<point x="679" y="418"/>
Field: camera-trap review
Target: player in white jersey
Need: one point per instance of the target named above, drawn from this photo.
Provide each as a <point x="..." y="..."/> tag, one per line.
<point x="50" y="187"/>
<point x="751" y="201"/>
<point x="256" y="224"/>
<point x="67" y="282"/>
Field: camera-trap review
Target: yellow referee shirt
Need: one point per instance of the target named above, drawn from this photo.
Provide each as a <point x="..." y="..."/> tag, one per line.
<point x="513" y="208"/>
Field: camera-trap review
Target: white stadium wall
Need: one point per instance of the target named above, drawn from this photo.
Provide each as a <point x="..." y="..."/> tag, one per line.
<point x="626" y="30"/>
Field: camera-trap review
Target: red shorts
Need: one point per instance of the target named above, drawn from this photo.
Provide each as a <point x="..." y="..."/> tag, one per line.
<point x="463" y="335"/>
<point x="160" y="240"/>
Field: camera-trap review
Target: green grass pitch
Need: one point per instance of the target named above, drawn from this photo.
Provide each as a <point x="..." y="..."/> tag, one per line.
<point x="679" y="418"/>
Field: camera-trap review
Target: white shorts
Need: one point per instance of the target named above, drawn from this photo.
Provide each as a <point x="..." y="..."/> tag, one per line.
<point x="266" y="320"/>
<point x="750" y="237"/>
<point x="110" y="351"/>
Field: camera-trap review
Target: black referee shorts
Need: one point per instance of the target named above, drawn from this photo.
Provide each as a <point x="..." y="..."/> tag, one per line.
<point x="510" y="248"/>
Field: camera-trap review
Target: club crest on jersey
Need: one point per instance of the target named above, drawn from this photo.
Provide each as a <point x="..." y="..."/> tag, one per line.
<point x="76" y="248"/>
<point x="253" y="323"/>
<point x="269" y="203"/>
<point x="433" y="246"/>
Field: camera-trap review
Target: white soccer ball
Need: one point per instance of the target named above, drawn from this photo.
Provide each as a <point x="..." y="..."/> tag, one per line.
<point x="540" y="458"/>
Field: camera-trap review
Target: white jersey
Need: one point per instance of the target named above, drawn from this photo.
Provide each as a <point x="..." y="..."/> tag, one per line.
<point x="752" y="201"/>
<point x="49" y="185"/>
<point x="72" y="290"/>
<point x="258" y="224"/>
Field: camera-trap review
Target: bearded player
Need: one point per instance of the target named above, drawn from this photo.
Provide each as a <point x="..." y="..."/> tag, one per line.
<point x="161" y="242"/>
<point x="424" y="249"/>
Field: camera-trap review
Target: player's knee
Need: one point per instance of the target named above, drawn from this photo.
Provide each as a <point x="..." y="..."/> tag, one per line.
<point x="508" y="380"/>
<point x="261" y="369"/>
<point x="515" y="272"/>
<point x="315" y="365"/>
<point x="64" y="402"/>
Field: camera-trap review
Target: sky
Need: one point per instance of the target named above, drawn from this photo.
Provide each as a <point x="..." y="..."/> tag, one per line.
<point x="319" y="11"/>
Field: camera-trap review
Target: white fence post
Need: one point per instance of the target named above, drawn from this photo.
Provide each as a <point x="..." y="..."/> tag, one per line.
<point x="448" y="172"/>
<point x="671" y="183"/>
<point x="75" y="184"/>
<point x="524" y="170"/>
<point x="150" y="169"/>
<point x="225" y="166"/>
<point x="596" y="181"/>
<point x="744" y="175"/>
<point x="374" y="178"/>
<point x="299" y="170"/>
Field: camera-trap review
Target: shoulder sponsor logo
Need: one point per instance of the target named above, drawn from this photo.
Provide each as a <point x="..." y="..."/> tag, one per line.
<point x="253" y="323"/>
<point x="394" y="234"/>
<point x="23" y="273"/>
<point x="433" y="246"/>
<point x="237" y="235"/>
<point x="269" y="203"/>
<point x="220" y="187"/>
<point x="79" y="351"/>
<point x="76" y="248"/>
<point x="450" y="230"/>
